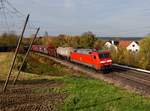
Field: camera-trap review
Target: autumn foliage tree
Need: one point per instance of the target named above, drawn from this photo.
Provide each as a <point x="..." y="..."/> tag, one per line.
<point x="8" y="39"/>
<point x="98" y="44"/>
<point x="87" y="40"/>
<point x="144" y="53"/>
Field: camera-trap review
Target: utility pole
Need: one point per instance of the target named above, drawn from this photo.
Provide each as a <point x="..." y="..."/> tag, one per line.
<point x="26" y="56"/>
<point x="15" y="55"/>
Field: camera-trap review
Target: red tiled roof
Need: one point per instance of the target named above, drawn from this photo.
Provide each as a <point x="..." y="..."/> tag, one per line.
<point x="124" y="43"/>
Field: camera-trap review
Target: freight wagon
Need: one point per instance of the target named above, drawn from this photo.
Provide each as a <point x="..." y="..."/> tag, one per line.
<point x="7" y="48"/>
<point x="64" y="52"/>
<point x="50" y="50"/>
<point x="35" y="48"/>
<point x="40" y="48"/>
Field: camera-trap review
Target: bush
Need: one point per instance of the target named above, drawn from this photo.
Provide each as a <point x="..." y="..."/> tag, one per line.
<point x="8" y="39"/>
<point x="19" y="63"/>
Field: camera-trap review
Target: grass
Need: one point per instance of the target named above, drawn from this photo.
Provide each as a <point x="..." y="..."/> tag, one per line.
<point x="95" y="95"/>
<point x="5" y="59"/>
<point x="42" y="66"/>
<point x="84" y="94"/>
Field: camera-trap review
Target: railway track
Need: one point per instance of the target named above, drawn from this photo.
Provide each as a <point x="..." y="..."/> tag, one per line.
<point x="136" y="79"/>
<point x="137" y="76"/>
<point x="139" y="81"/>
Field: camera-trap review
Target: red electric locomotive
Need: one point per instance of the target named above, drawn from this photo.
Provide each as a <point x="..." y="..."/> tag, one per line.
<point x="99" y="60"/>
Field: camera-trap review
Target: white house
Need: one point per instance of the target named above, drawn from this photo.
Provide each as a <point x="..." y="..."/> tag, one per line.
<point x="134" y="47"/>
<point x="110" y="44"/>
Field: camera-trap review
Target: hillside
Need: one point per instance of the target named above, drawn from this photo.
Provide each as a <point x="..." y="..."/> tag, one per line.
<point x="46" y="85"/>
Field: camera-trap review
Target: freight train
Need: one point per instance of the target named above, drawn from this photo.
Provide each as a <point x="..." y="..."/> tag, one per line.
<point x="7" y="48"/>
<point x="99" y="60"/>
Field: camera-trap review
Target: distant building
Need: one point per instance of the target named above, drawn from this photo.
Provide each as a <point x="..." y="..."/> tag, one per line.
<point x="129" y="45"/>
<point x="134" y="47"/>
<point x="108" y="44"/>
<point x="124" y="43"/>
<point x="111" y="44"/>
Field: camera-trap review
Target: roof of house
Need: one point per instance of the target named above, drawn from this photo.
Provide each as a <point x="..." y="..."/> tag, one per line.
<point x="124" y="43"/>
<point x="107" y="42"/>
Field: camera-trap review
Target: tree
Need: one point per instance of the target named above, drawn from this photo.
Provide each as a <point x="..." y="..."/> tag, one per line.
<point x="75" y="41"/>
<point x="121" y="55"/>
<point x="144" y="61"/>
<point x="8" y="39"/>
<point x="87" y="40"/>
<point x="39" y="41"/>
<point x="98" y="44"/>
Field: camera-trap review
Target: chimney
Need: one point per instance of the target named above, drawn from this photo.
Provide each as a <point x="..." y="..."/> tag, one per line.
<point x="112" y="42"/>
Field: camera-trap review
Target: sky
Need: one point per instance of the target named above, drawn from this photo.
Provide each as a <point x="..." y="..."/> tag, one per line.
<point x="119" y="18"/>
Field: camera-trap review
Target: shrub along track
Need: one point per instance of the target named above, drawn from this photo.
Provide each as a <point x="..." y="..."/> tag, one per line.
<point x="131" y="80"/>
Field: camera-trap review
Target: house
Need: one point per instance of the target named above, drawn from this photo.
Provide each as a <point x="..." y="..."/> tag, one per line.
<point x="134" y="47"/>
<point x="124" y="43"/>
<point x="110" y="44"/>
<point x="129" y="45"/>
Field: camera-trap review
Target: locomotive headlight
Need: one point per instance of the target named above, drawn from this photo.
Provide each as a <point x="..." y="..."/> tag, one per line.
<point x="109" y="60"/>
<point x="102" y="62"/>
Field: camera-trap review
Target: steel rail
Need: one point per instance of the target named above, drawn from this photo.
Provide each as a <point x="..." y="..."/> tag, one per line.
<point x="136" y="79"/>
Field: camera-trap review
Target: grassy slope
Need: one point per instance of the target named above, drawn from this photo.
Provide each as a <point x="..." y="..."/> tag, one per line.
<point x="95" y="95"/>
<point x="85" y="94"/>
<point x="5" y="62"/>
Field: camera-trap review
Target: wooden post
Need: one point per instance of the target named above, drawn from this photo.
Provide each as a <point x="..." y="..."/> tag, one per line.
<point x="15" y="55"/>
<point x="26" y="56"/>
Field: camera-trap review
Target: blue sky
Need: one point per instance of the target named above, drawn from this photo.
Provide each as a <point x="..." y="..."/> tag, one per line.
<point x="102" y="17"/>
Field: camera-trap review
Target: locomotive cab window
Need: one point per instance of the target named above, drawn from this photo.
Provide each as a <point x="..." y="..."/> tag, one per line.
<point x="105" y="55"/>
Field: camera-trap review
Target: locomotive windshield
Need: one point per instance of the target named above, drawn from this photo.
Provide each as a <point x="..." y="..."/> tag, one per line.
<point x="104" y="55"/>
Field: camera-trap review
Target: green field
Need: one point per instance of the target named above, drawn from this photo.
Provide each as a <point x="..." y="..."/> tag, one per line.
<point x="83" y="93"/>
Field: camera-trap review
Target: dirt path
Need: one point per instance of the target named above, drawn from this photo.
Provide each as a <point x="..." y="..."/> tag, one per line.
<point x="23" y="98"/>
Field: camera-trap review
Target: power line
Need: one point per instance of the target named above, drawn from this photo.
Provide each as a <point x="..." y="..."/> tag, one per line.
<point x="12" y="18"/>
<point x="4" y="13"/>
<point x="15" y="9"/>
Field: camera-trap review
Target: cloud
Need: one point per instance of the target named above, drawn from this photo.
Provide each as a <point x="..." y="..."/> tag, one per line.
<point x="68" y="4"/>
<point x="104" y="17"/>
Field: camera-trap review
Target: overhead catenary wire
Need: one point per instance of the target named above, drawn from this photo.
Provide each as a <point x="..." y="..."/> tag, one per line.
<point x="11" y="19"/>
<point x="15" y="9"/>
<point x="4" y="13"/>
